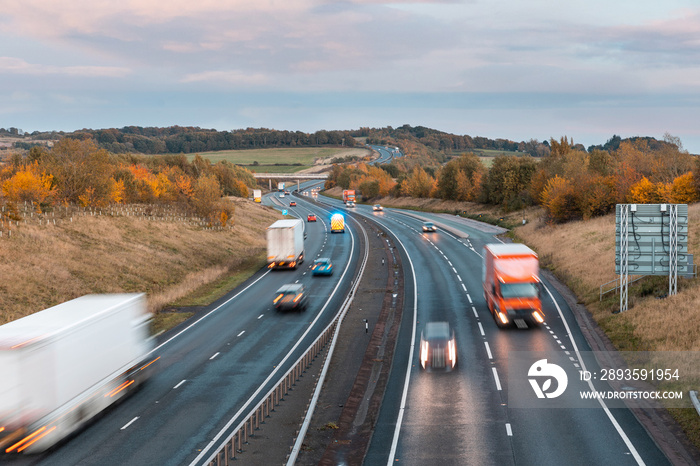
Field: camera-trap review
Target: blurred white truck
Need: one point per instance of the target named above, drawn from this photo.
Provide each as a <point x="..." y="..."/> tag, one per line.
<point x="285" y="243"/>
<point x="63" y="365"/>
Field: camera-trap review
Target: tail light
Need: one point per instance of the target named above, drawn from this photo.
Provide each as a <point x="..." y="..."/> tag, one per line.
<point x="452" y="352"/>
<point x="503" y="318"/>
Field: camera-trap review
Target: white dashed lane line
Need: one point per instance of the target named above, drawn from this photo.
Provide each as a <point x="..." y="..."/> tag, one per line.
<point x="129" y="423"/>
<point x="178" y="385"/>
<point x="495" y="377"/>
<point x="241" y="333"/>
<point x="215" y="355"/>
<point x="488" y="350"/>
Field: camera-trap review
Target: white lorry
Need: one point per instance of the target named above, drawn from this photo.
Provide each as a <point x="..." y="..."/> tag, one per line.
<point x="63" y="365"/>
<point x="285" y="243"/>
<point x="257" y="195"/>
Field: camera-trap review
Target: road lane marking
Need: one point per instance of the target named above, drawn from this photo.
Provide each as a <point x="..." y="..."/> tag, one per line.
<point x="464" y="287"/>
<point x="481" y="329"/>
<point x="241" y="333"/>
<point x="215" y="355"/>
<point x="495" y="377"/>
<point x="509" y="431"/>
<point x="181" y="382"/>
<point x="475" y="314"/>
<point x="488" y="350"/>
<point x="260" y="316"/>
<point x="613" y="421"/>
<point x="129" y="423"/>
<point x="469" y="298"/>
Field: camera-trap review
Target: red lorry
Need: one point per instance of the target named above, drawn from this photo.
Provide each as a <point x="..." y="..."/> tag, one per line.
<point x="348" y="195"/>
<point x="512" y="285"/>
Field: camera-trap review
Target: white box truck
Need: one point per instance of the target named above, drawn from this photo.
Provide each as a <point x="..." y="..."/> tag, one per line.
<point x="257" y="195"/>
<point x="285" y="243"/>
<point x="63" y="365"/>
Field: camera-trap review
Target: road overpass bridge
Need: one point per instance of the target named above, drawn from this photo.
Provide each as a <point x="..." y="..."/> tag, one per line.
<point x="295" y="178"/>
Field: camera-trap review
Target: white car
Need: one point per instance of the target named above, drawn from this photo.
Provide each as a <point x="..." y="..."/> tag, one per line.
<point x="377" y="207"/>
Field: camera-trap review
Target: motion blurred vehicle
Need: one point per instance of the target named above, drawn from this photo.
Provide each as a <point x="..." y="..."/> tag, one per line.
<point x="62" y="366"/>
<point x="337" y="223"/>
<point x="293" y="204"/>
<point x="291" y="297"/>
<point x="511" y="284"/>
<point x="438" y="347"/>
<point x="281" y="195"/>
<point x="348" y="195"/>
<point x="311" y="218"/>
<point x="377" y="207"/>
<point x="429" y="227"/>
<point x="287" y="193"/>
<point x="285" y="243"/>
<point x="322" y="266"/>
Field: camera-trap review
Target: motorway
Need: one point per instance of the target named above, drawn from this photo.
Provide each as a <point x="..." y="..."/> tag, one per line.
<point x="464" y="417"/>
<point x="217" y="365"/>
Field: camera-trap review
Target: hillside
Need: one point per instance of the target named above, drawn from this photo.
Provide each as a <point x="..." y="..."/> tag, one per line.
<point x="166" y="257"/>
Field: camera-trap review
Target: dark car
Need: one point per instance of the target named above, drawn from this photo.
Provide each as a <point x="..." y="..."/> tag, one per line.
<point x="438" y="347"/>
<point x="291" y="297"/>
<point x="429" y="227"/>
<point x="322" y="266"/>
<point x="311" y="218"/>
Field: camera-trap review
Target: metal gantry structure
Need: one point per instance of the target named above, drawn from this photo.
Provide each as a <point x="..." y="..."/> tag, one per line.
<point x="657" y="244"/>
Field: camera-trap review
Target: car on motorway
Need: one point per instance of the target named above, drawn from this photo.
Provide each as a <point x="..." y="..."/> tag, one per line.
<point x="350" y="205"/>
<point x="291" y="297"/>
<point x="377" y="207"/>
<point x="438" y="347"/>
<point x="429" y="227"/>
<point x="322" y="266"/>
<point x="287" y="193"/>
<point x="293" y="204"/>
<point x="311" y="218"/>
<point x="281" y="195"/>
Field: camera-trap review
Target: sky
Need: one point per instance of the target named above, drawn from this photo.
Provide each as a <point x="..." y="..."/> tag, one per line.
<point x="511" y="69"/>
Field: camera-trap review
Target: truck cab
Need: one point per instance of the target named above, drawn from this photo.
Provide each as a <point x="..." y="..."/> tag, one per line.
<point x="511" y="284"/>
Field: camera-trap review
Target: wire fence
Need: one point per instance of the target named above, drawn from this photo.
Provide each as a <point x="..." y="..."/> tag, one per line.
<point x="14" y="216"/>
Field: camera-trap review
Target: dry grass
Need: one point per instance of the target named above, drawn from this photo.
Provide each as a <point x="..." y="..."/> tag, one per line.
<point x="583" y="254"/>
<point x="42" y="266"/>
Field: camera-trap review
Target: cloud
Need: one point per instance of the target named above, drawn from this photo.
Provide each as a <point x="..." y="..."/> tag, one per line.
<point x="227" y="77"/>
<point x="19" y="66"/>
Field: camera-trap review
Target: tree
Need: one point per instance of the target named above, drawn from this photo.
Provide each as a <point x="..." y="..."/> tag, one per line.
<point x="419" y="184"/>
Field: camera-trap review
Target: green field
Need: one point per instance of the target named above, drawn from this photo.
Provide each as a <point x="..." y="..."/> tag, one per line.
<point x="488" y="155"/>
<point x="280" y="160"/>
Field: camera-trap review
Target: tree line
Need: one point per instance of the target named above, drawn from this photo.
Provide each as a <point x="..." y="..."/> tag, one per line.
<point x="189" y="140"/>
<point x="81" y="172"/>
<point x="570" y="182"/>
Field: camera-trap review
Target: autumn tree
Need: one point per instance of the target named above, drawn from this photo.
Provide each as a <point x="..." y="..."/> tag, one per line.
<point x="418" y="184"/>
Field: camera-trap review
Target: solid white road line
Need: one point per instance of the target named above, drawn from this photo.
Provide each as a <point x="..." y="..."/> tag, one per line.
<point x="614" y="422"/>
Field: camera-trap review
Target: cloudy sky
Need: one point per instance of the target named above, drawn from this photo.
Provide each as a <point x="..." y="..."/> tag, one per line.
<point x="514" y="69"/>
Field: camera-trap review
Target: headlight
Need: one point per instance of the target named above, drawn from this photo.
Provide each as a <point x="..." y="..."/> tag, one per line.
<point x="423" y="353"/>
